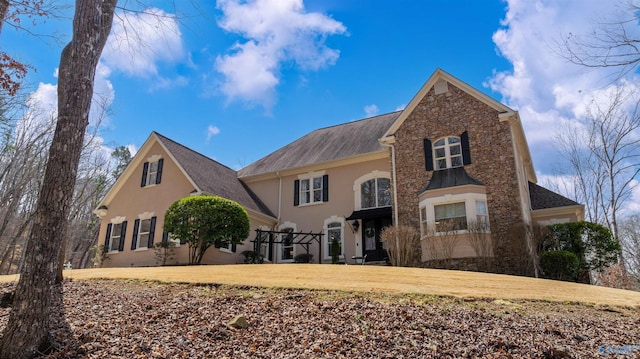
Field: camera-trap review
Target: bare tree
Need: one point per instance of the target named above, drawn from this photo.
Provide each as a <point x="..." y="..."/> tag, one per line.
<point x="479" y="238"/>
<point x="630" y="240"/>
<point x="604" y="156"/>
<point x="613" y="41"/>
<point x="441" y="242"/>
<point x="403" y="245"/>
<point x="28" y="328"/>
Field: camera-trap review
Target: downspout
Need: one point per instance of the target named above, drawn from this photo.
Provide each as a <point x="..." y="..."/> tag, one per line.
<point x="388" y="142"/>
<point x="279" y="196"/>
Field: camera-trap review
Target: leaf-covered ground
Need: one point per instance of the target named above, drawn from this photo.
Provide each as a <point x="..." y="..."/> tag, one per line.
<point x="134" y="319"/>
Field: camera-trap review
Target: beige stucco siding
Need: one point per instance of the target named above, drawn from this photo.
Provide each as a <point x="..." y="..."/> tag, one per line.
<point x="312" y="217"/>
<point x="132" y="200"/>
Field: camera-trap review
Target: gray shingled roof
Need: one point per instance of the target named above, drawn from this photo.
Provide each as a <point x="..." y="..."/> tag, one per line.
<point x="326" y="144"/>
<point x="542" y="198"/>
<point x="212" y="177"/>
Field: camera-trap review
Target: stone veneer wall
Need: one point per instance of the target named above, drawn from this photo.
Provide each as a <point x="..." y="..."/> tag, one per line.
<point x="493" y="163"/>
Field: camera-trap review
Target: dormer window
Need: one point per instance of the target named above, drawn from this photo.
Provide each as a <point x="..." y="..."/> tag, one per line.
<point x="447" y="153"/>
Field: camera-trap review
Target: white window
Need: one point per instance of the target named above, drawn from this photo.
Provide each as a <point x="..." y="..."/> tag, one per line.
<point x="375" y="192"/>
<point x="458" y="212"/>
<point x="450" y="217"/>
<point x="114" y="238"/>
<point x="144" y="230"/>
<point x="482" y="216"/>
<point x="447" y="153"/>
<point x="372" y="190"/>
<point x="311" y="190"/>
<point x="152" y="173"/>
<point x="333" y="229"/>
<point x="287" y="249"/>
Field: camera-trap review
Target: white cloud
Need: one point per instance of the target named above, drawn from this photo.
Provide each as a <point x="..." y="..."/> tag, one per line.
<point x="212" y="131"/>
<point x="138" y="41"/>
<point x="544" y="87"/>
<point x="401" y="107"/>
<point x="371" y="110"/>
<point x="276" y="31"/>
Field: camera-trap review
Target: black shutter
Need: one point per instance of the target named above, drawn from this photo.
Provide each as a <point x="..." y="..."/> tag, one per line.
<point x="151" y="232"/>
<point x="296" y="192"/>
<point x="136" y="226"/>
<point x="464" y="142"/>
<point x="325" y="188"/>
<point x="159" y="174"/>
<point x="145" y="169"/>
<point x="123" y="233"/>
<point x="428" y="155"/>
<point x="106" y="238"/>
<point x="233" y="248"/>
<point x="165" y="237"/>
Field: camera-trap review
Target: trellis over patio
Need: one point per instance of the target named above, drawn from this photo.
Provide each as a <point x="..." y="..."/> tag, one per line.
<point x="304" y="239"/>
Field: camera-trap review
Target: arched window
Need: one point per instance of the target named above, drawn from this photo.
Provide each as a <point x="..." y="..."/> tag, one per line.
<point x="372" y="190"/>
<point x="447" y="153"/>
<point x="333" y="229"/>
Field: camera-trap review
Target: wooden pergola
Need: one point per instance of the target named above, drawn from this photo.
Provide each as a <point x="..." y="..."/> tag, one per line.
<point x="304" y="239"/>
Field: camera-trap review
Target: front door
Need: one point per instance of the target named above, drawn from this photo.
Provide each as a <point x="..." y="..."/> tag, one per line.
<point x="371" y="229"/>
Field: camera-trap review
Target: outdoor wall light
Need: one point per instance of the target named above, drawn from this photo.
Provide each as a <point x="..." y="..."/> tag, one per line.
<point x="355" y="225"/>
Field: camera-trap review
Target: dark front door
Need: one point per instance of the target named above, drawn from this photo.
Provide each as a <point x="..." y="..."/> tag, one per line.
<point x="371" y="229"/>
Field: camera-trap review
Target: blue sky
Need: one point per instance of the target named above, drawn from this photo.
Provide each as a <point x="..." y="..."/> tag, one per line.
<point x="235" y="80"/>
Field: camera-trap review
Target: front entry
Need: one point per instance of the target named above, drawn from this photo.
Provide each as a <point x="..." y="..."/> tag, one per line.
<point x="371" y="244"/>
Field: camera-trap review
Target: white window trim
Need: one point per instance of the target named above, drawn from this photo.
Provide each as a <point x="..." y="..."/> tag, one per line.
<point x="357" y="186"/>
<point x="146" y="216"/>
<point x="469" y="200"/>
<point x="227" y="249"/>
<point x="325" y="239"/>
<point x="280" y="245"/>
<point x="114" y="220"/>
<point x="310" y="176"/>
<point x="447" y="153"/>
<point x="151" y="159"/>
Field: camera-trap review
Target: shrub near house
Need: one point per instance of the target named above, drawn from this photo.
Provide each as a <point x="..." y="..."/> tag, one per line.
<point x="202" y="221"/>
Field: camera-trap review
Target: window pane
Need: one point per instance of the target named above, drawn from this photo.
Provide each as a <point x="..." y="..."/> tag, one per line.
<point x="334" y="225"/>
<point x="306" y="197"/>
<point x="304" y="185"/>
<point x="456" y="161"/>
<point x="439" y="152"/>
<point x="152" y="178"/>
<point x="317" y="182"/>
<point x="455" y="150"/>
<point x="145" y="226"/>
<point x="153" y="167"/>
<point x="384" y="192"/>
<point x="368" y="194"/>
<point x="453" y="140"/>
<point x="440" y="164"/>
<point x="481" y="208"/>
<point x="143" y="240"/>
<point x="317" y="195"/>
<point x="439" y="142"/>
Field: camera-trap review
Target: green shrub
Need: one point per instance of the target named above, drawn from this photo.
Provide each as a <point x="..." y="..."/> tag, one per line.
<point x="251" y="257"/>
<point x="303" y="258"/>
<point x="560" y="265"/>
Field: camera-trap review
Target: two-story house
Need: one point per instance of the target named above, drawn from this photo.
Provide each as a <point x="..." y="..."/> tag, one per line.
<point x="453" y="161"/>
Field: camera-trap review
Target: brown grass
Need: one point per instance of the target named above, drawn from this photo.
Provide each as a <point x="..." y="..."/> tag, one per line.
<point x="360" y="278"/>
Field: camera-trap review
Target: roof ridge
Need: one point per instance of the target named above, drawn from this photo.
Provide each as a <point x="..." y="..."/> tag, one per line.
<point x="163" y="137"/>
<point x="351" y="122"/>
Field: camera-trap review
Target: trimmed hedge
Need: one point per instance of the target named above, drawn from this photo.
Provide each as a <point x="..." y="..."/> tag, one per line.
<point x="560" y="265"/>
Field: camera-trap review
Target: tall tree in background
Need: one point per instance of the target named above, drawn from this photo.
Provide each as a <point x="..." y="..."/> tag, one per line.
<point x="604" y="155"/>
<point x="28" y="328"/>
<point x="122" y="155"/>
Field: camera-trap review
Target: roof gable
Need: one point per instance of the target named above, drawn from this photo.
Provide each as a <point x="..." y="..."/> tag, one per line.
<point x="324" y="145"/>
<point x="438" y="75"/>
<point x="206" y="175"/>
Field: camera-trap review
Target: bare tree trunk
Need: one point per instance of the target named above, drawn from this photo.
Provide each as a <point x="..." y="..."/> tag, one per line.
<point x="28" y="331"/>
<point x="4" y="9"/>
